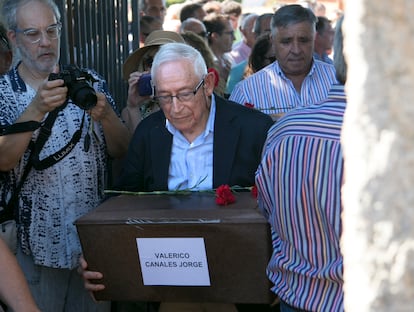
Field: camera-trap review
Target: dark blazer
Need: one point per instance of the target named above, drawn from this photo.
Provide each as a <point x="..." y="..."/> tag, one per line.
<point x="239" y="135"/>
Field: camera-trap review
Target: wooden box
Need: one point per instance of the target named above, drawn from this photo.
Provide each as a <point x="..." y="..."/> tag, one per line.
<point x="236" y="238"/>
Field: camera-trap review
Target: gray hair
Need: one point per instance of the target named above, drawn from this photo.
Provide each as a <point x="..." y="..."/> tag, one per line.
<point x="292" y="14"/>
<point x="179" y="51"/>
<point x="189" y="21"/>
<point x="246" y="18"/>
<point x="10" y="7"/>
<point x="339" y="58"/>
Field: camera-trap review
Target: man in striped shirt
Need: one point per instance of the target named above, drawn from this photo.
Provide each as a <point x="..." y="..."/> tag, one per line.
<point x="299" y="191"/>
<point x="295" y="79"/>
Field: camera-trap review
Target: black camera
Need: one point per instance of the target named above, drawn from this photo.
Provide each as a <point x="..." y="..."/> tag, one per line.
<point x="79" y="83"/>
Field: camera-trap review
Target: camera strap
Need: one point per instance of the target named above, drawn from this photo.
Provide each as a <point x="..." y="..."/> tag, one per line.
<point x="33" y="162"/>
<point x="20" y="127"/>
<point x="45" y="130"/>
<point x="59" y="155"/>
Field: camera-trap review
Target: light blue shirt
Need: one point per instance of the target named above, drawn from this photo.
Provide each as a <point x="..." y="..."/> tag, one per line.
<point x="191" y="165"/>
<point x="270" y="91"/>
<point x="235" y="76"/>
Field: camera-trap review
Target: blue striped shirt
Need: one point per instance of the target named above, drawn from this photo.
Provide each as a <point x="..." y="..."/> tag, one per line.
<point x="299" y="191"/>
<point x="271" y="92"/>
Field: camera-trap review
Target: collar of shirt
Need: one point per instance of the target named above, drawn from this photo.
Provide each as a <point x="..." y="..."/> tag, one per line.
<point x="282" y="74"/>
<point x="191" y="164"/>
<point x="17" y="81"/>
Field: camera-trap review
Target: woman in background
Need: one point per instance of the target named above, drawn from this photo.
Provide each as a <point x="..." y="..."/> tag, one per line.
<point x="262" y="55"/>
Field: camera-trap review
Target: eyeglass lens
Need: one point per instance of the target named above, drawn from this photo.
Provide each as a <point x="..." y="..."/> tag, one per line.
<point x="34" y="35"/>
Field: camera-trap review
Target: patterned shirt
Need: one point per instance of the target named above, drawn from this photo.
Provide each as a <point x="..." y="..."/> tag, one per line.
<point x="299" y="191"/>
<point x="52" y="199"/>
<point x="271" y="92"/>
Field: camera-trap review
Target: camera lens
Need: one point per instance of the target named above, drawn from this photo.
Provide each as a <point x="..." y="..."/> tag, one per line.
<point x="85" y="97"/>
<point x="79" y="84"/>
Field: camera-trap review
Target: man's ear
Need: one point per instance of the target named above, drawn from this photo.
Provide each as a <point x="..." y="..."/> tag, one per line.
<point x="209" y="83"/>
<point x="214" y="35"/>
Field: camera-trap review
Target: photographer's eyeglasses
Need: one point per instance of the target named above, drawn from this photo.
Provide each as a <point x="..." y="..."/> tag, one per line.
<point x="34" y="35"/>
<point x="182" y="97"/>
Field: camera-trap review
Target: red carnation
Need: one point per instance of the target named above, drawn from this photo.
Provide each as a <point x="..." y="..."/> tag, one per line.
<point x="224" y="195"/>
<point x="254" y="191"/>
<point x="216" y="76"/>
<point x="249" y="105"/>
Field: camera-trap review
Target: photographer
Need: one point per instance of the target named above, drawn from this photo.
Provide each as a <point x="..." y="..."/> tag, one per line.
<point x="61" y="188"/>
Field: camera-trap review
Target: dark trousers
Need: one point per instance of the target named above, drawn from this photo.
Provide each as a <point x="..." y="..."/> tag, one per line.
<point x="285" y="307"/>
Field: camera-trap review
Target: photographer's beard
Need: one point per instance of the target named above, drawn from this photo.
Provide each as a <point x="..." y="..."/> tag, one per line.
<point x="37" y="63"/>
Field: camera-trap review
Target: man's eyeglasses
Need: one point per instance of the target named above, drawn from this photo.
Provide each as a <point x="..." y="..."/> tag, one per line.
<point x="34" y="35"/>
<point x="182" y="97"/>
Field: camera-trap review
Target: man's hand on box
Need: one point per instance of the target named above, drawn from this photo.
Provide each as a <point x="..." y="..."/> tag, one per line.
<point x="89" y="276"/>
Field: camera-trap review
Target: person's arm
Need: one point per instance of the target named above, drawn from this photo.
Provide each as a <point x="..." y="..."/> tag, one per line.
<point x="50" y="95"/>
<point x="116" y="133"/>
<point x="132" y="117"/>
<point x="131" y="113"/>
<point x="14" y="291"/>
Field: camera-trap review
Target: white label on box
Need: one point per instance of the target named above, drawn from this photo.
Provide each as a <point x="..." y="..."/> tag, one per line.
<point x="173" y="261"/>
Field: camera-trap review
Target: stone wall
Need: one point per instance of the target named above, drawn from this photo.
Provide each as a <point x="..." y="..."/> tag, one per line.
<point x="378" y="139"/>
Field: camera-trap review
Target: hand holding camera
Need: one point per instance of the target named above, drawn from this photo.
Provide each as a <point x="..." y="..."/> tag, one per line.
<point x="144" y="85"/>
<point x="80" y="86"/>
<point x="139" y="89"/>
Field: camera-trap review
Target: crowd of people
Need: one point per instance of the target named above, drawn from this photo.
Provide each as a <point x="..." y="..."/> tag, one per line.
<point x="216" y="96"/>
